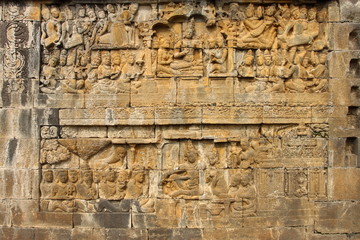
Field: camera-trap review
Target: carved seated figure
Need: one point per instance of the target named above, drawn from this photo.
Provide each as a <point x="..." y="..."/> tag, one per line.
<point x="137" y="191"/>
<point x="185" y="58"/>
<point x="51" y="27"/>
<point x="242" y="191"/>
<point x="299" y="31"/>
<point x="109" y="186"/>
<point x="216" y="56"/>
<point x="213" y="157"/>
<point x="247" y="154"/>
<point x="299" y="73"/>
<point x="217" y="184"/>
<point x="165" y="58"/>
<point x="276" y="74"/>
<point x="50" y="74"/>
<point x="87" y="188"/>
<point x="233" y="157"/>
<point x="73" y="179"/>
<point x="47" y="184"/>
<point x="105" y="83"/>
<point x="135" y="187"/>
<point x="77" y="83"/>
<point x="319" y="72"/>
<point x="246" y="69"/>
<point x="191" y="157"/>
<point x="60" y="190"/>
<point x="132" y="71"/>
<point x="257" y="32"/>
<point x="181" y="184"/>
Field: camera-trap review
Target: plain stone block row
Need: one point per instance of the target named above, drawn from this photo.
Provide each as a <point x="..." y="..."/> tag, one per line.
<point x="344" y="64"/>
<point x="19" y="184"/>
<point x="17" y="123"/>
<point x="296" y="233"/>
<point x="194" y="115"/>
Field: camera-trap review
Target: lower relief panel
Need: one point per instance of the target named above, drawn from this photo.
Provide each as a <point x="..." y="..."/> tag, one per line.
<point x="186" y="176"/>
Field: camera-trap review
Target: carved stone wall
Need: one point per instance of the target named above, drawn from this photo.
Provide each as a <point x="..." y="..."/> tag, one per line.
<point x="180" y="120"/>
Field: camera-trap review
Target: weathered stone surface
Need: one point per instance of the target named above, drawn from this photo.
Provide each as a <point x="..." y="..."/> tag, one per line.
<point x="179" y="120"/>
<point x="177" y="234"/>
<point x="52" y="233"/>
<point x="131" y="234"/>
<point x="339" y="188"/>
<point x="89" y="233"/>
<point x="337" y="217"/>
<point x="102" y="220"/>
<point x="17" y="233"/>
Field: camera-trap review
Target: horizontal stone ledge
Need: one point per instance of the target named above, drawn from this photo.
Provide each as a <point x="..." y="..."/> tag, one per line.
<point x="195" y="115"/>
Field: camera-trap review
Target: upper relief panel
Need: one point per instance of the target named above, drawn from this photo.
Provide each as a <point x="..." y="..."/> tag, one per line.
<point x="125" y="49"/>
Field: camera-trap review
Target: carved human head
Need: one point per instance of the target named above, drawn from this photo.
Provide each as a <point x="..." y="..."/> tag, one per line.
<point x="303" y="12"/>
<point x="45" y="13"/>
<point x="139" y="177"/>
<point x="53" y="61"/>
<point x="259" y="12"/>
<point x="73" y="176"/>
<point x="131" y="59"/>
<point x="305" y="62"/>
<point x="116" y="58"/>
<point x="267" y="57"/>
<point x="133" y="8"/>
<point x="249" y="58"/>
<point x="235" y="180"/>
<point x="246" y="178"/>
<point x="211" y="42"/>
<point x="189" y="30"/>
<point x="48" y="176"/>
<point x="106" y="58"/>
<point x="55" y="12"/>
<point x="285" y="11"/>
<point x="312" y="13"/>
<point x="295" y="12"/>
<point x="63" y="57"/>
<point x="210" y="175"/>
<point x="110" y="8"/>
<point x="322" y="58"/>
<point x="250" y="11"/>
<point x="90" y="12"/>
<point x="97" y="176"/>
<point x="270" y="10"/>
<point x="95" y="59"/>
<point x="63" y="176"/>
<point x="81" y="11"/>
<point x="164" y="42"/>
<point x="259" y="57"/>
<point x="122" y="152"/>
<point x="111" y="176"/>
<point x="88" y="177"/>
<point x="100" y="12"/>
<point x="301" y="177"/>
<point x="245" y="144"/>
<point x="123" y="176"/>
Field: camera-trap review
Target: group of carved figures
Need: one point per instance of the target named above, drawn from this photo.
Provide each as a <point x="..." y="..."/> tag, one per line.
<point x="118" y="185"/>
<point x="79" y="46"/>
<point x="87" y="26"/>
<point x="285" y="71"/>
<point x="115" y="25"/>
<point x="229" y="190"/>
<point x="88" y="184"/>
<point x="91" y="72"/>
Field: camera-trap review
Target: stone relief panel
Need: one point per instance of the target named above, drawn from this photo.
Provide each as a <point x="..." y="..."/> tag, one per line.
<point x="187" y="114"/>
<point x="127" y="169"/>
<point x="126" y="49"/>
